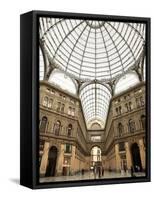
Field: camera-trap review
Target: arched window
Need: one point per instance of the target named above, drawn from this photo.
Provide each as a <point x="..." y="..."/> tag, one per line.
<point x="43" y="124"/>
<point x="131" y="125"/>
<point x="62" y="108"/>
<point x="58" y="106"/>
<point x="69" y="110"/>
<point x="50" y="102"/>
<point x="117" y="111"/>
<point x="73" y="111"/>
<point x="143" y="121"/>
<point x="69" y="130"/>
<point x="142" y="101"/>
<point x="45" y="101"/>
<point x="120" y="129"/>
<point x="57" y="128"/>
<point x="120" y="110"/>
<point x="130" y="106"/>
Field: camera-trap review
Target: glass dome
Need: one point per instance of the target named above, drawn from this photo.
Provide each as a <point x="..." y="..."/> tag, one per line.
<point x="90" y="50"/>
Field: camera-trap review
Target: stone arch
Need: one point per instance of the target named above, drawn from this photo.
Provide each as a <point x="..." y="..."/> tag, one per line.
<point x="52" y="161"/>
<point x="136" y="158"/>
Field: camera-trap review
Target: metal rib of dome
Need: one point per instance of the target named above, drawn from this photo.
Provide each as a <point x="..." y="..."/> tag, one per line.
<point x="92" y="50"/>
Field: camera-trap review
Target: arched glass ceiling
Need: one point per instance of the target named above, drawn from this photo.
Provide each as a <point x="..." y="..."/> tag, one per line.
<point x="95" y="126"/>
<point x="95" y="99"/>
<point x="41" y="63"/>
<point x="89" y="50"/>
<point x="127" y="81"/>
<point x="61" y="80"/>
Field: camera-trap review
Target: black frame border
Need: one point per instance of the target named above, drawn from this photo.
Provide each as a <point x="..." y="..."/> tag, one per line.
<point x="29" y="96"/>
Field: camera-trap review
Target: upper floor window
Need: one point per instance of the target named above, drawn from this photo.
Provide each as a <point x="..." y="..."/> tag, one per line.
<point x="58" y="106"/>
<point x="62" y="107"/>
<point x="121" y="146"/>
<point x="68" y="148"/>
<point x="69" y="110"/>
<point x="43" y="124"/>
<point x="127" y="97"/>
<point x="95" y="138"/>
<point x="73" y="111"/>
<point x="50" y="102"/>
<point x="47" y="102"/>
<point x="69" y="130"/>
<point x="41" y="145"/>
<point x="131" y="125"/>
<point x="143" y="121"/>
<point x="119" y="110"/>
<point x="140" y="101"/>
<point x="128" y="106"/>
<point x="57" y="128"/>
<point x="120" y="129"/>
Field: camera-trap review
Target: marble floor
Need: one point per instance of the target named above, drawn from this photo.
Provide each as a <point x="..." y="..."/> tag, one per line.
<point x="89" y="176"/>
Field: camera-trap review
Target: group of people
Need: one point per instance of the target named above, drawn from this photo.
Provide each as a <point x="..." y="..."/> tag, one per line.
<point x="98" y="171"/>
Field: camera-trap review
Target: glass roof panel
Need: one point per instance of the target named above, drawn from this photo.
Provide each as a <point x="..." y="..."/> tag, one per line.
<point x="61" y="80"/>
<point x="127" y="81"/>
<point x="86" y="44"/>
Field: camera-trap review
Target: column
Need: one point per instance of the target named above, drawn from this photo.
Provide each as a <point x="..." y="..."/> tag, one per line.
<point x="60" y="160"/>
<point x="44" y="160"/>
<point x="73" y="163"/>
<point x="117" y="158"/>
<point x="128" y="156"/>
<point x="142" y="152"/>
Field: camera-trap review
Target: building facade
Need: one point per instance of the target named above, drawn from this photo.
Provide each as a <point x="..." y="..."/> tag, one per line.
<point x="67" y="146"/>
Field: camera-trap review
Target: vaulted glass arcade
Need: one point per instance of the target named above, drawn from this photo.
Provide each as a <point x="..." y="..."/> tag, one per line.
<point x="92" y="59"/>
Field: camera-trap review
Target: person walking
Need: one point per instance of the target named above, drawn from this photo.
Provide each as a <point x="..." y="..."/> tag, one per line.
<point x="82" y="171"/>
<point x="132" y="172"/>
<point x="102" y="171"/>
<point x="99" y="172"/>
<point x="95" y="171"/>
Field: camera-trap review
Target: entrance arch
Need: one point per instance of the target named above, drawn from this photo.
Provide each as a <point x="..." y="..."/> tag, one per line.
<point x="136" y="158"/>
<point x="52" y="160"/>
<point x="96" y="158"/>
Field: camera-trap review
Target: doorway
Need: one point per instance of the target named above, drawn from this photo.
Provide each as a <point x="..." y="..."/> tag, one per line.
<point x="52" y="160"/>
<point x="136" y="158"/>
